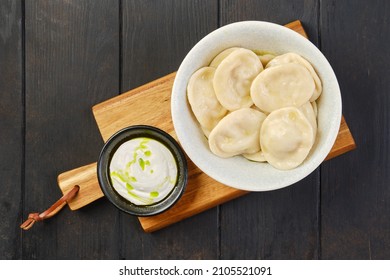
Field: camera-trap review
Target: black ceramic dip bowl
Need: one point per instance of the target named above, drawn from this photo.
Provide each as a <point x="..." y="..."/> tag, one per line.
<point x="153" y="170"/>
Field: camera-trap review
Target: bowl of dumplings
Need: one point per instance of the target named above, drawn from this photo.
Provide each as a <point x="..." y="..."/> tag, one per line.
<point x="256" y="106"/>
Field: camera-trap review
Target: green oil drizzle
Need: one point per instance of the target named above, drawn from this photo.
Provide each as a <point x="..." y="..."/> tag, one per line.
<point x="141" y="163"/>
<point x="154" y="194"/>
<point x="148" y="153"/>
<point x="129" y="187"/>
<point x="144" y="200"/>
<point x="123" y="176"/>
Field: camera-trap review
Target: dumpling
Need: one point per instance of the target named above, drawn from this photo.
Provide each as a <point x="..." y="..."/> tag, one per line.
<point x="308" y="111"/>
<point x="282" y="86"/>
<point x="265" y="58"/>
<point x="296" y="58"/>
<point x="201" y="96"/>
<point x="258" y="109"/>
<point x="259" y="156"/>
<point x="286" y="138"/>
<point x="237" y="133"/>
<point x="221" y="56"/>
<point x="314" y="105"/>
<point x="233" y="79"/>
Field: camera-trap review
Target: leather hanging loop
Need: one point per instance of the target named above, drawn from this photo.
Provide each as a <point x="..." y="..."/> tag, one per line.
<point x="50" y="212"/>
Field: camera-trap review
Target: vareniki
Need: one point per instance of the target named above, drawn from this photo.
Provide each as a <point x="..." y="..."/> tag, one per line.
<point x="262" y="109"/>
<point x="281" y="86"/>
<point x="201" y="96"/>
<point x="237" y="133"/>
<point x="233" y="79"/>
<point x="296" y="58"/>
<point x="286" y="138"/>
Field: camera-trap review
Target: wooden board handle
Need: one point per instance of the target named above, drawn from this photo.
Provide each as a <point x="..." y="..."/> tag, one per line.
<point x="86" y="178"/>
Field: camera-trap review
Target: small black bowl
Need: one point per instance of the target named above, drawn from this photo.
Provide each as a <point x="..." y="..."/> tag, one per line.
<point x="107" y="153"/>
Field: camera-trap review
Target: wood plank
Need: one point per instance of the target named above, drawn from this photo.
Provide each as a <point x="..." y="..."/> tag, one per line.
<point x="281" y="224"/>
<point x="72" y="62"/>
<point x="355" y="205"/>
<point x="111" y="118"/>
<point x="156" y="37"/>
<point x="277" y="11"/>
<point x="11" y="127"/>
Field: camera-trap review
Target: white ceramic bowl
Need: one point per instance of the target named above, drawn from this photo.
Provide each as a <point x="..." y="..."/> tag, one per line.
<point x="239" y="172"/>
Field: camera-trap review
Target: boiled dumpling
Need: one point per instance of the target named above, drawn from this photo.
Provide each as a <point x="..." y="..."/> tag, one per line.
<point x="296" y="58"/>
<point x="237" y="133"/>
<point x="314" y="105"/>
<point x="258" y="109"/>
<point x="221" y="56"/>
<point x="286" y="138"/>
<point x="259" y="156"/>
<point x="308" y="111"/>
<point x="264" y="115"/>
<point x="233" y="79"/>
<point x="265" y="58"/>
<point x="201" y="96"/>
<point x="281" y="86"/>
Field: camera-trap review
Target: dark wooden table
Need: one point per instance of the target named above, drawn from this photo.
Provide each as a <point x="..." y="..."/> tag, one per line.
<point x="59" y="58"/>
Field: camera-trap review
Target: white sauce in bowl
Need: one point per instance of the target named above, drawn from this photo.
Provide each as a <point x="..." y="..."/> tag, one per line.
<point x="143" y="171"/>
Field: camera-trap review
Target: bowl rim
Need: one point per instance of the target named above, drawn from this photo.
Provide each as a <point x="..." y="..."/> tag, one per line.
<point x="114" y="142"/>
<point x="196" y="156"/>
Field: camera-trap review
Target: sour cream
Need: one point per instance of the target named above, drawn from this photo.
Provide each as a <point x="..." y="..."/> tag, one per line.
<point x="143" y="171"/>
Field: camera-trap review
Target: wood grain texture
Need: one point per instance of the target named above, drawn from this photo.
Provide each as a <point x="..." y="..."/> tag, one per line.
<point x="277" y="11"/>
<point x="72" y="62"/>
<point x="355" y="204"/>
<point x="80" y="53"/>
<point x="284" y="224"/>
<point x="156" y="36"/>
<point x="11" y="128"/>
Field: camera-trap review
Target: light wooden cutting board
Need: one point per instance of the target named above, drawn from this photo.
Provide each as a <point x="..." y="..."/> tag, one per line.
<point x="150" y="105"/>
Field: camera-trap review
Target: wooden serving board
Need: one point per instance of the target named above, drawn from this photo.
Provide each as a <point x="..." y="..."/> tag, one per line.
<point x="150" y="105"/>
